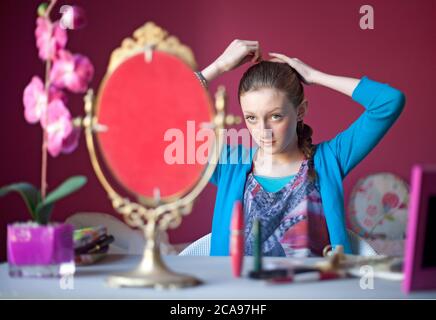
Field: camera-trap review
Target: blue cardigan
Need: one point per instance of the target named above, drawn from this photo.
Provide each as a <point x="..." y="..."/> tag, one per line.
<point x="333" y="160"/>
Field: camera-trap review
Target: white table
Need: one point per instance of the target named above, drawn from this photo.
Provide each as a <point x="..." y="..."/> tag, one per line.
<point x="89" y="283"/>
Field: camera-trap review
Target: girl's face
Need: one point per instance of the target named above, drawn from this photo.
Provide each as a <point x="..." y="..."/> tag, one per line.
<point x="272" y="119"/>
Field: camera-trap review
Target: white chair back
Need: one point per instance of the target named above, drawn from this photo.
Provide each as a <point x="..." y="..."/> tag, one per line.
<point x="201" y="247"/>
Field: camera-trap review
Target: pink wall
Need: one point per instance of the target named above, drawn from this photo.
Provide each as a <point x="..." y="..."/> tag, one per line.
<point x="400" y="50"/>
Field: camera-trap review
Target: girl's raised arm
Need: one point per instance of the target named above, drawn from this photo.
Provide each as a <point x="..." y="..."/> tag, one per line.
<point x="382" y="102"/>
<point x="235" y="55"/>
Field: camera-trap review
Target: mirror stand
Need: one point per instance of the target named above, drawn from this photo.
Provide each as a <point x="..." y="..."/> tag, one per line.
<point x="152" y="271"/>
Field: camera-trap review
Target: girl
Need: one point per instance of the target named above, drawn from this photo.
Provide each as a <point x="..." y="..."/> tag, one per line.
<point x="291" y="185"/>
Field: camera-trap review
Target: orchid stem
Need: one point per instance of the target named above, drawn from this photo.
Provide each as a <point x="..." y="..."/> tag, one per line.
<point x="45" y="135"/>
<point x="44" y="131"/>
<point x="49" y="8"/>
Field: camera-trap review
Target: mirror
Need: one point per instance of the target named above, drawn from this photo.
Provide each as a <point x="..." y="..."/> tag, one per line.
<point x="142" y="103"/>
<point x="142" y="128"/>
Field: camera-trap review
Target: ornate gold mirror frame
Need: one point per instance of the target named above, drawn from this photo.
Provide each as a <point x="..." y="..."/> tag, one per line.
<point x="152" y="219"/>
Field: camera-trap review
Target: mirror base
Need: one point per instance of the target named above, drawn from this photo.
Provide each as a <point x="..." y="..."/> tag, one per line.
<point x="164" y="279"/>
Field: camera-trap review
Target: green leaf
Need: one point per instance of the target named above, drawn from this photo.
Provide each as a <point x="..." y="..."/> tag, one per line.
<point x="27" y="191"/>
<point x="67" y="187"/>
<point x="44" y="214"/>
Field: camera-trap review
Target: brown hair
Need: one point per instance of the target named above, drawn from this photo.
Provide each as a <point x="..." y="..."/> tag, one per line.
<point x="281" y="76"/>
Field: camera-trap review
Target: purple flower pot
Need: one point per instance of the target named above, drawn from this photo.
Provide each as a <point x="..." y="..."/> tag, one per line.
<point x="40" y="251"/>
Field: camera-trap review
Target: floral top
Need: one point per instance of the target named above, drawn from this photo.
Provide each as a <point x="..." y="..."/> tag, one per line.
<point x="292" y="219"/>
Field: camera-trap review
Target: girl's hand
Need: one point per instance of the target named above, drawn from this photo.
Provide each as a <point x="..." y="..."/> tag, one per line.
<point x="307" y="73"/>
<point x="238" y="53"/>
<point x="235" y="55"/>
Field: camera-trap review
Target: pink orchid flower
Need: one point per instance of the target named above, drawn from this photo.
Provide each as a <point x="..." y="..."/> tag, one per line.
<point x="73" y="72"/>
<point x="58" y="126"/>
<point x="50" y="38"/>
<point x="54" y="93"/>
<point x="35" y="99"/>
<point x="70" y="143"/>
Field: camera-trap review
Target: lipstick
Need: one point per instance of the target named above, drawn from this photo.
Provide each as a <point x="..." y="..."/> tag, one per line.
<point x="237" y="239"/>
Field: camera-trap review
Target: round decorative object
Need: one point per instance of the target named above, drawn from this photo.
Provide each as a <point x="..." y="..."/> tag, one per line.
<point x="153" y="112"/>
<point x="378" y="207"/>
